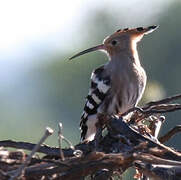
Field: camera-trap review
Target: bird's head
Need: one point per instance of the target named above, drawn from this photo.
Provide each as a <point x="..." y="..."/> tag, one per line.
<point x="119" y="41"/>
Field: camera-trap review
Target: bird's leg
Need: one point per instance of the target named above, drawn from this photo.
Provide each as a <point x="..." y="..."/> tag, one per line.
<point x="102" y="120"/>
<point x="98" y="137"/>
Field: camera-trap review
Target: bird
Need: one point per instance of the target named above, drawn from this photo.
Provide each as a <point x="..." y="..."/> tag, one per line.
<point x="116" y="86"/>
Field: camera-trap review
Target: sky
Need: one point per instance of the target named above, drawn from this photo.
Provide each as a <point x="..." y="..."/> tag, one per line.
<point x="27" y="23"/>
<point x="31" y="30"/>
<point x="30" y="27"/>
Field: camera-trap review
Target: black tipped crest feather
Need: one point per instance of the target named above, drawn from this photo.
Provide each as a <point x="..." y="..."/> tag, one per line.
<point x="140" y="29"/>
<point x="126" y="29"/>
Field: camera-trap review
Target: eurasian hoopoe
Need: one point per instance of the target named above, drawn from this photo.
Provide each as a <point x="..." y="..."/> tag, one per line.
<point x="119" y="84"/>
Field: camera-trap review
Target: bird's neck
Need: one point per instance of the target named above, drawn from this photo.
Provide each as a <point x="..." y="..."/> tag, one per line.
<point x="127" y="56"/>
<point x="134" y="53"/>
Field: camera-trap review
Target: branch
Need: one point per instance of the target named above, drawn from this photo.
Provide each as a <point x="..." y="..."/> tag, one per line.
<point x="124" y="145"/>
<point x="170" y="134"/>
<point x="163" y="101"/>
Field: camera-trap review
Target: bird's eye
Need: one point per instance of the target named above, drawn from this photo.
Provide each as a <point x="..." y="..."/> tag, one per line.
<point x="114" y="42"/>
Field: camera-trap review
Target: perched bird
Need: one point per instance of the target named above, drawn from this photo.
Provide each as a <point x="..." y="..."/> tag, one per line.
<point x="119" y="84"/>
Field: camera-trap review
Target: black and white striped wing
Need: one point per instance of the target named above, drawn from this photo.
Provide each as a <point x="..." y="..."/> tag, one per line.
<point x="100" y="85"/>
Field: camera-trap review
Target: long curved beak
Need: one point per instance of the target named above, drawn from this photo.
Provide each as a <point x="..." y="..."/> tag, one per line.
<point x="99" y="47"/>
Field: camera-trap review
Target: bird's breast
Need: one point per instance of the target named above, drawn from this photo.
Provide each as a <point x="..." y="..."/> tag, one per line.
<point x="127" y="88"/>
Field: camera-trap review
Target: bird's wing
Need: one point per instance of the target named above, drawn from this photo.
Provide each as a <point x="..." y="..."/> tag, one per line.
<point x="100" y="85"/>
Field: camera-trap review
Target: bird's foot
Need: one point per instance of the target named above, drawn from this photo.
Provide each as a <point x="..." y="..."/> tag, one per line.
<point x="98" y="138"/>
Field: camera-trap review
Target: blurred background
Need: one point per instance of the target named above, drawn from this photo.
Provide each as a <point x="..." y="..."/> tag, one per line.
<point x="39" y="87"/>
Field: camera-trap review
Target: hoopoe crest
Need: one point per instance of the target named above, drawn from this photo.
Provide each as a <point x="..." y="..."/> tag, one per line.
<point x="119" y="84"/>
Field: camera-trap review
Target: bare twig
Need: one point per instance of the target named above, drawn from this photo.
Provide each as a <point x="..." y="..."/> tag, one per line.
<point x="19" y="171"/>
<point x="162" y="108"/>
<point x="155" y="124"/>
<point x="53" y="151"/>
<point x="68" y="142"/>
<point x="170" y="134"/>
<point x="60" y="141"/>
<point x="138" y="109"/>
<point x="149" y="158"/>
<point x="159" y="172"/>
<point x="163" y="101"/>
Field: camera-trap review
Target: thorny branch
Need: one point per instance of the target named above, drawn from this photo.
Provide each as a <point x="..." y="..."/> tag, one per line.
<point x="126" y="144"/>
